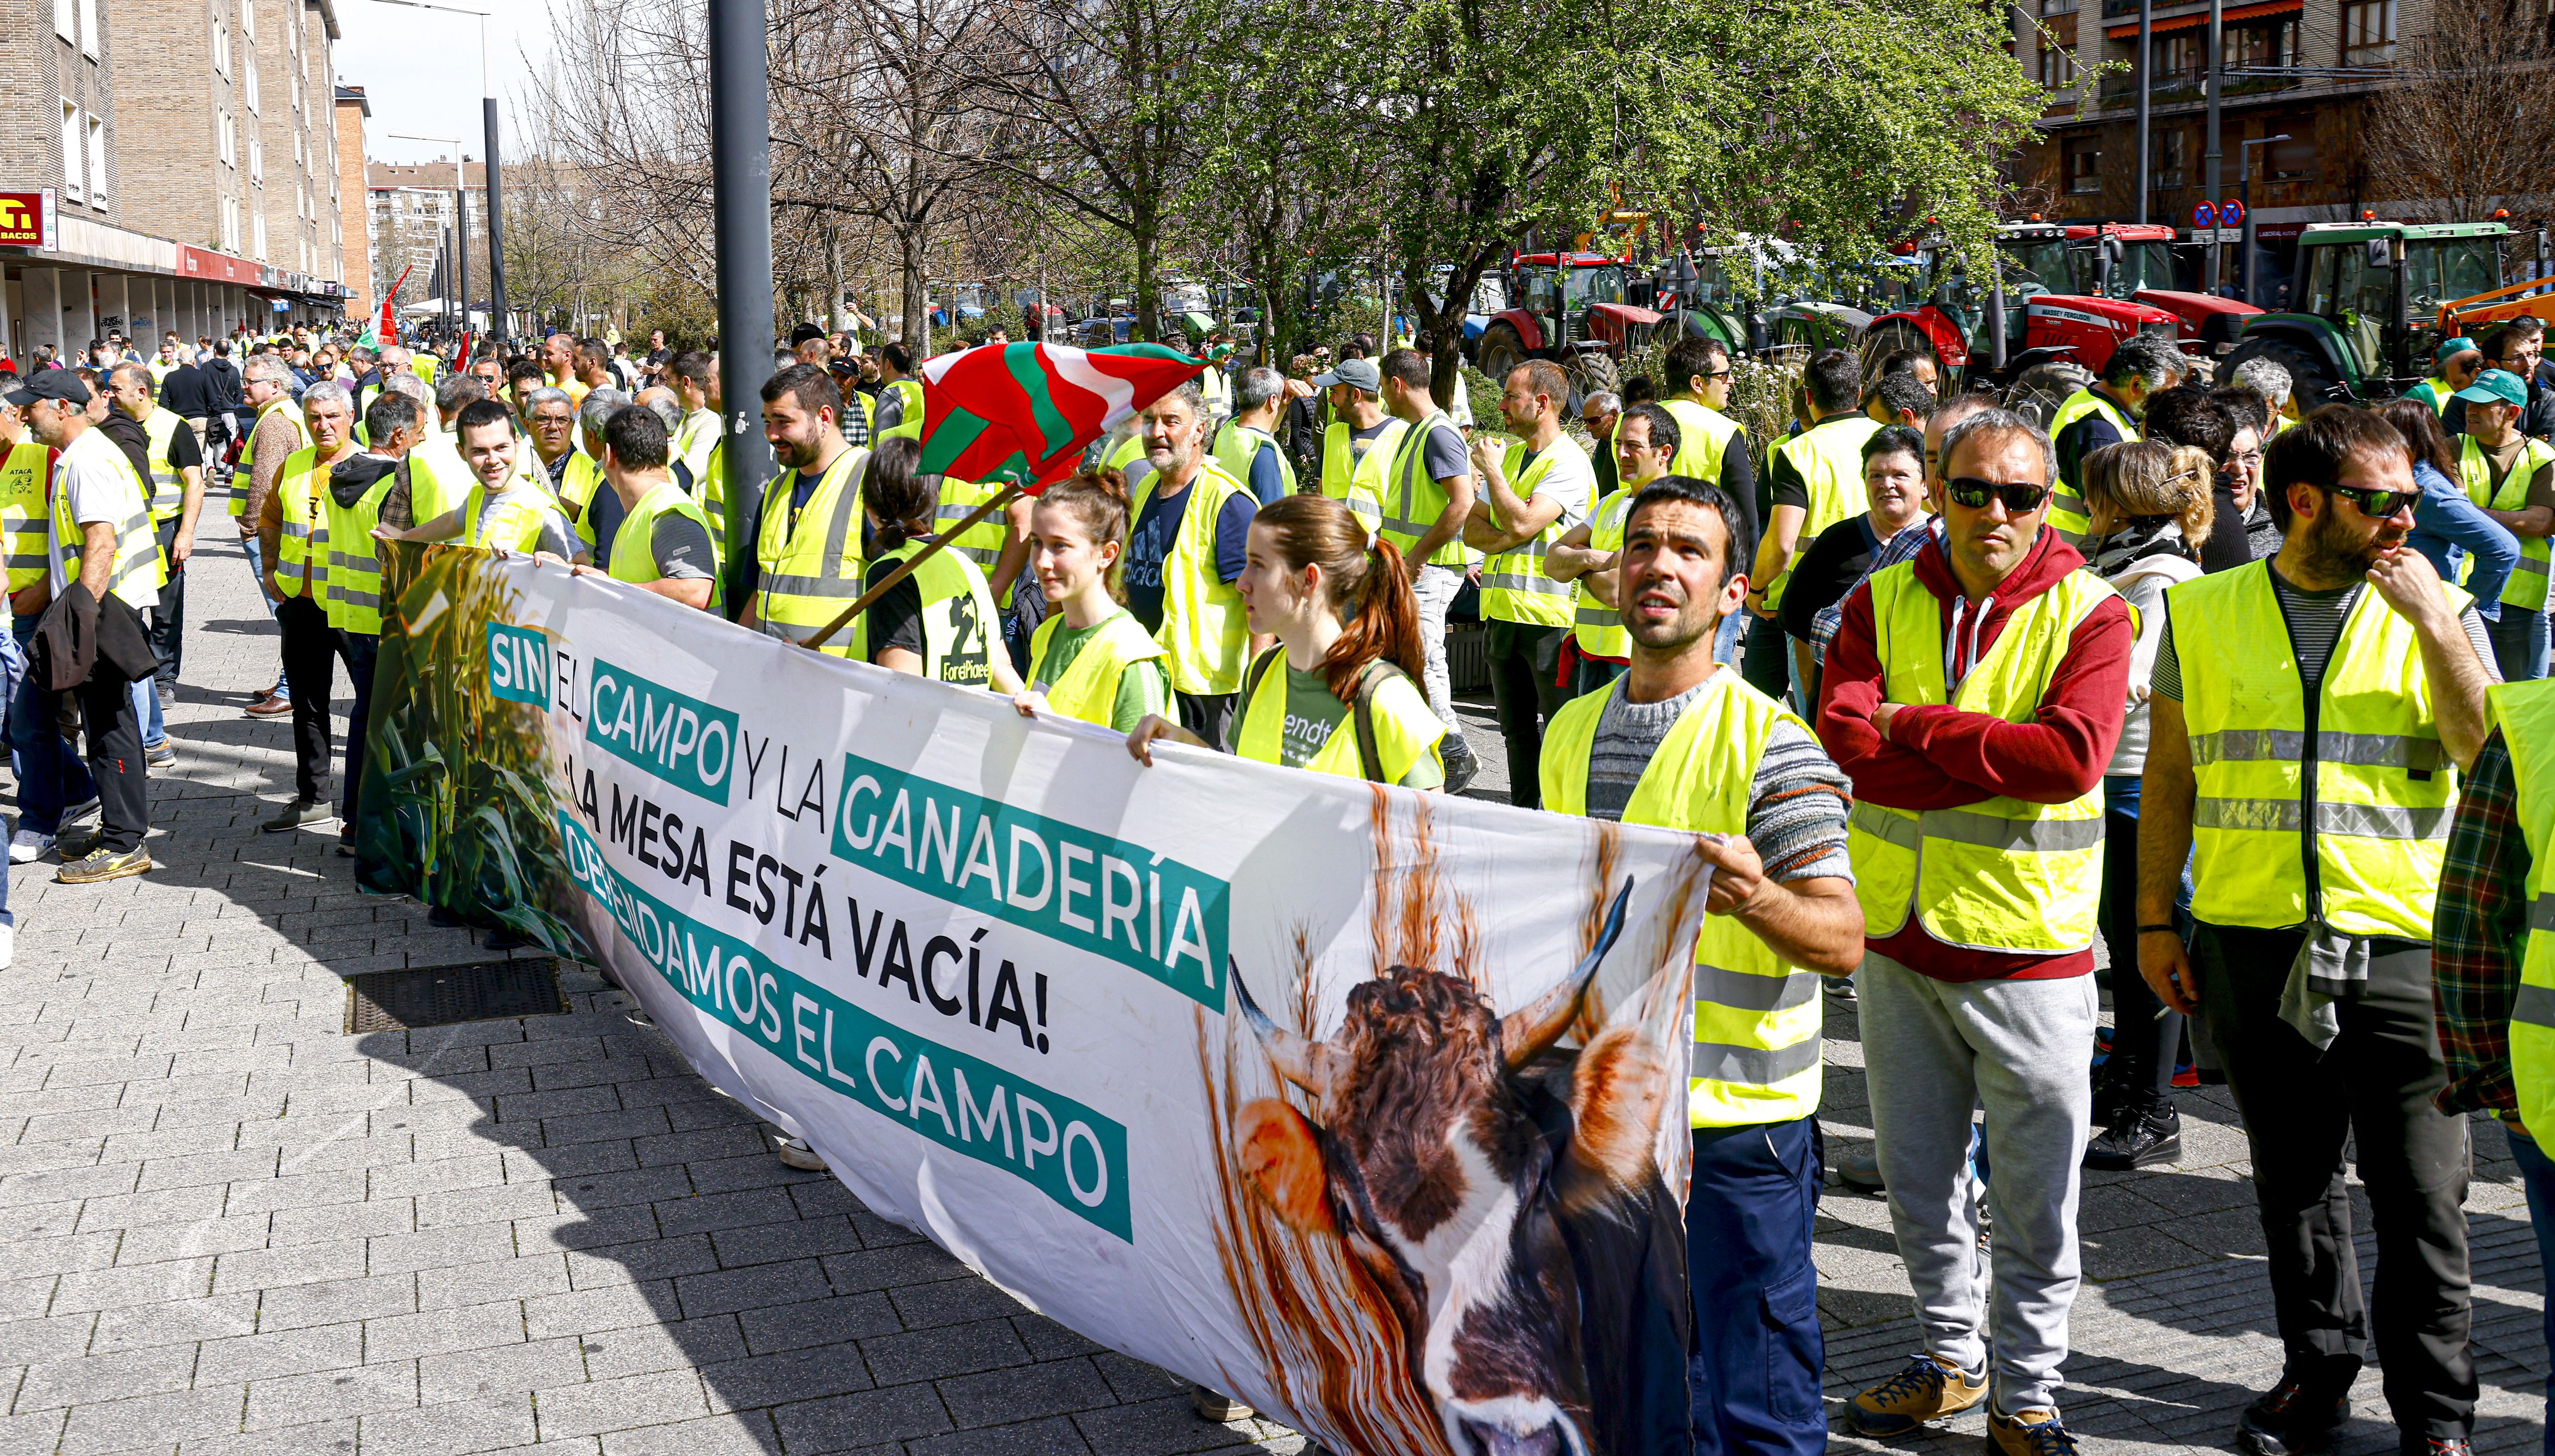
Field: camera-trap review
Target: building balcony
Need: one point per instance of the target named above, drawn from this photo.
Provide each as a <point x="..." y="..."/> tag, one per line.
<point x="2173" y="88"/>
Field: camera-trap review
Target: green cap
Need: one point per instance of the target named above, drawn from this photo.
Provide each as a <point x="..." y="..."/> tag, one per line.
<point x="2495" y="387"/>
<point x="2450" y="348"/>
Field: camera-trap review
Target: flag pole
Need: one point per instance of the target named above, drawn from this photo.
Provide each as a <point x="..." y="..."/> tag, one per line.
<point x="905" y="567"/>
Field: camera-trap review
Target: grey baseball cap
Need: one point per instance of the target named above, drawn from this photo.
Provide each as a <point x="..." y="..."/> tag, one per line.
<point x="1355" y="373"/>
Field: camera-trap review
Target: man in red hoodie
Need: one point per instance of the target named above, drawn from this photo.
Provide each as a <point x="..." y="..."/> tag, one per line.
<point x="1973" y="695"/>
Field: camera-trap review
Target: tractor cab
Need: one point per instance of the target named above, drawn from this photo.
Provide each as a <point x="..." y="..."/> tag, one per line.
<point x="2371" y="298"/>
<point x="1575" y="308"/>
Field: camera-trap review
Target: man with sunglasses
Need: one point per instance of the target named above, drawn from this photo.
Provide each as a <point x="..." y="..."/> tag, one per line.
<point x="2107" y="413"/>
<point x="1974" y="694"/>
<point x="2306" y="742"/>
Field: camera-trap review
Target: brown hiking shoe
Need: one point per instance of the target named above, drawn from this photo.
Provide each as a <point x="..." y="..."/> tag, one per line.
<point x="2029" y="1433"/>
<point x="1926" y="1389"/>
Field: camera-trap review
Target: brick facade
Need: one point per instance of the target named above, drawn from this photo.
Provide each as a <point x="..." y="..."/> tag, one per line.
<point x="353" y="230"/>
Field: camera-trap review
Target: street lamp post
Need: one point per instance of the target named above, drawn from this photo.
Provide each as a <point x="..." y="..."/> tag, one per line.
<point x="2211" y="154"/>
<point x="741" y="181"/>
<point x="488" y="120"/>
<point x="460" y="278"/>
<point x="2245" y="194"/>
<point x="2146" y="55"/>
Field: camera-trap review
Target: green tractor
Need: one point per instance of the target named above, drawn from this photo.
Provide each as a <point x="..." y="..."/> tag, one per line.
<point x="2368" y="297"/>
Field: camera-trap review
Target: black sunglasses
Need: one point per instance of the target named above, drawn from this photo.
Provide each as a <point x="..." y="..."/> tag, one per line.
<point x="2376" y="504"/>
<point x="1971" y="493"/>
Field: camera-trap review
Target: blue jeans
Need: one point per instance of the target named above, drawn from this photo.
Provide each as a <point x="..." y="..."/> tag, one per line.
<point x="257" y="573"/>
<point x="2537" y="1175"/>
<point x="146" y="712"/>
<point x="50" y="771"/>
<point x="1753" y="1375"/>
<point x="2519" y="643"/>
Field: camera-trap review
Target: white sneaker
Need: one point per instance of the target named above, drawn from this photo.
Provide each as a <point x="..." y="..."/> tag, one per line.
<point x="28" y="846"/>
<point x="72" y="811"/>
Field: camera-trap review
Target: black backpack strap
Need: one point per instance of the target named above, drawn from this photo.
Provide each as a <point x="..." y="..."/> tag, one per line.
<point x="1258" y="671"/>
<point x="1361" y="712"/>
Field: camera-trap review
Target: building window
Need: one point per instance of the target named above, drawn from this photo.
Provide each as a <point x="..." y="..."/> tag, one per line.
<point x="251" y="71"/>
<point x="257" y="236"/>
<point x="2057" y="66"/>
<point x="248" y="19"/>
<point x="96" y="160"/>
<point x="2166" y="169"/>
<point x="89" y="27"/>
<point x="2084" y="166"/>
<point x="222" y="49"/>
<point x="230" y="224"/>
<point x="256" y="160"/>
<point x="2295" y="159"/>
<point x="75" y="154"/>
<point x="2369" y="33"/>
<point x="2274" y="45"/>
<point x="227" y="133"/>
<point x="67" y="20"/>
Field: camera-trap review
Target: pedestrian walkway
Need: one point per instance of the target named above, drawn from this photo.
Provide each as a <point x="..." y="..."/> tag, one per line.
<point x="229" y="1228"/>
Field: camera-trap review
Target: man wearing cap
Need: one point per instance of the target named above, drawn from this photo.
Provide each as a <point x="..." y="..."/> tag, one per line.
<point x="2454" y="366"/>
<point x="98" y="533"/>
<point x="1359" y="444"/>
<point x="2517" y="347"/>
<point x="2505" y="474"/>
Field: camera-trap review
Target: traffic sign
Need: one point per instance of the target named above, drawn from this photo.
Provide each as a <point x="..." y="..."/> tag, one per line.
<point x="2204" y="215"/>
<point x="2231" y="213"/>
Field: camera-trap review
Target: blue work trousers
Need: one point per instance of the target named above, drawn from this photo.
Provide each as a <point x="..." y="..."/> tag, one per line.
<point x="1753" y="1375"/>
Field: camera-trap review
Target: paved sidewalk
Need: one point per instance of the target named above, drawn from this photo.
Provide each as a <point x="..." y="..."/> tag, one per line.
<point x="229" y="1228"/>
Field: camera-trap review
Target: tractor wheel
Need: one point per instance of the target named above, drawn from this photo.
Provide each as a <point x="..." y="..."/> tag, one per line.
<point x="1596" y="373"/>
<point x="2042" y="388"/>
<point x="2311" y="384"/>
<point x="1890" y="336"/>
<point x="1502" y="350"/>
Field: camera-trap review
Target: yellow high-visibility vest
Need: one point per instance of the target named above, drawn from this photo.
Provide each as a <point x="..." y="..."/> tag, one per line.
<point x="25" y="478"/>
<point x="301" y="544"/>
<point x="2383" y="792"/>
<point x="1600" y="628"/>
<point x="168" y="491"/>
<point x="2067" y="512"/>
<point x="1238" y="445"/>
<point x="910" y="424"/>
<point x="1515" y="588"/>
<point x="1406" y="729"/>
<point x="279" y="405"/>
<point x="2527" y="584"/>
<point x="353" y="577"/>
<point x="983" y="541"/>
<point x="1756" y="1019"/>
<point x="634" y="547"/>
<point x="1088" y="687"/>
<point x="1829" y="458"/>
<point x="138" y="572"/>
<point x="1704" y="435"/>
<point x="701" y="429"/>
<point x="2527" y="713"/>
<point x="2001" y="874"/>
<point x="515" y="526"/>
<point x="1359" y="480"/>
<point x="811" y="570"/>
<point x="1413" y="500"/>
<point x="958" y="618"/>
<point x="1203" y="625"/>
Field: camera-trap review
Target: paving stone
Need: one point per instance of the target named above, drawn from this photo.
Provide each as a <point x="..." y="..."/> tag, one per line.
<point x="284" y="1352"/>
<point x="294" y="1399"/>
<point x="451" y="1427"/>
<point x="639" y="1399"/>
<point x="999" y="1397"/>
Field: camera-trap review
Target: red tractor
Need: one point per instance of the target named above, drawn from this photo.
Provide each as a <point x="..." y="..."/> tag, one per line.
<point x="2137" y="262"/>
<point x="2028" y="332"/>
<point x="1574" y="309"/>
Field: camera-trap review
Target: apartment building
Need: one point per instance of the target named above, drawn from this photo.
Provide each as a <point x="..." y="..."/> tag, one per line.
<point x="182" y="157"/>
<point x="353" y="203"/>
<point x="411" y="211"/>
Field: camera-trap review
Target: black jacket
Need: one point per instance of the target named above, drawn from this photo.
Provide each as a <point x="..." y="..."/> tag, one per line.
<point x="223" y="377"/>
<point x="187" y="392"/>
<point x="133" y="439"/>
<point x="79" y="637"/>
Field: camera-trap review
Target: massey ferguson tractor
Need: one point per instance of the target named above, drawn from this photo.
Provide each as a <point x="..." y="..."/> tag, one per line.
<point x="1571" y="307"/>
<point x="2137" y="262"/>
<point x="2029" y="331"/>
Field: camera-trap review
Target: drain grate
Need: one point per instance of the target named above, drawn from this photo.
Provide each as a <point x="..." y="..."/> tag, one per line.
<point x="440" y="996"/>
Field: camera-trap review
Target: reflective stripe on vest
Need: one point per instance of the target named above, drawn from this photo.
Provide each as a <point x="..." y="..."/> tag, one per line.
<point x="1756" y="1019"/>
<point x="957" y="617"/>
<point x="2067" y="514"/>
<point x="634" y="546"/>
<point x="1405" y="730"/>
<point x="25" y="478"/>
<point x="1600" y="628"/>
<point x="352" y="595"/>
<point x="1515" y="588"/>
<point x="1358" y="479"/>
<point x="983" y="541"/>
<point x="1203" y="626"/>
<point x="1413" y="499"/>
<point x="2525" y="712"/>
<point x="909" y="422"/>
<point x="2002" y="874"/>
<point x="168" y="492"/>
<point x="2382" y="790"/>
<point x="2527" y="584"/>
<point x="137" y="573"/>
<point x="242" y="481"/>
<point x="810" y="571"/>
<point x="1827" y="457"/>
<point x="1088" y="687"/>
<point x="302" y="541"/>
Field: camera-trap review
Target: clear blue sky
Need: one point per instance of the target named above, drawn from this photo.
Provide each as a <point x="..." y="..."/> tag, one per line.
<point x="419" y="69"/>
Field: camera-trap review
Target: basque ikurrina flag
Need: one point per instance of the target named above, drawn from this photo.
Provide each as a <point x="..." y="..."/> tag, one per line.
<point x="1026" y="411"/>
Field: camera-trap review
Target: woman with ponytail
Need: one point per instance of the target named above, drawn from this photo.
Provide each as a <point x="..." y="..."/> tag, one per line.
<point x="939" y="622"/>
<point x="1090" y="658"/>
<point x="1335" y="695"/>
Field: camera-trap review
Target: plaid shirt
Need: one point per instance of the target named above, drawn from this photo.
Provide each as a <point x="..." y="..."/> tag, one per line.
<point x="2477" y="936"/>
<point x="1901" y="547"/>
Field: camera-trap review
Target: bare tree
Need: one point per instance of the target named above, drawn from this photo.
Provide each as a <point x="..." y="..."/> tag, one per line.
<point x="2452" y="142"/>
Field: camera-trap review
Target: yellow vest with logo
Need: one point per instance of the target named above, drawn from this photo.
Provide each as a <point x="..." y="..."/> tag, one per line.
<point x="354" y="594"/>
<point x="1238" y="445"/>
<point x="1600" y="628"/>
<point x="138" y="572"/>
<point x="1413" y="500"/>
<point x="168" y="492"/>
<point x="2527" y="713"/>
<point x="1203" y="625"/>
<point x="302" y="544"/>
<point x="810" y="571"/>
<point x="2527" y="584"/>
<point x="1406" y="730"/>
<point x="910" y="424"/>
<point x="1515" y="588"/>
<point x="2067" y="512"/>
<point x="1703" y="437"/>
<point x="958" y="617"/>
<point x="1088" y="687"/>
<point x="2001" y="874"/>
<point x="1359" y="480"/>
<point x="1756" y="1019"/>
<point x="25" y="478"/>
<point x="634" y="546"/>
<point x="2382" y="790"/>
<point x="240" y="482"/>
<point x="983" y="541"/>
<point x="1829" y="458"/>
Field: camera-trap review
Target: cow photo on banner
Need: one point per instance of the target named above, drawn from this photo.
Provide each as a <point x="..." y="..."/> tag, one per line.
<point x="1360" y="1104"/>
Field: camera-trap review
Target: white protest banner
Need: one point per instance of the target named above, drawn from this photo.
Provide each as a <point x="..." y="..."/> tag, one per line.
<point x="1361" y="1105"/>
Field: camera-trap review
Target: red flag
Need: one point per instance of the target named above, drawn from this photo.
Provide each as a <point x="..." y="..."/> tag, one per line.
<point x="1026" y="412"/>
<point x="384" y="329"/>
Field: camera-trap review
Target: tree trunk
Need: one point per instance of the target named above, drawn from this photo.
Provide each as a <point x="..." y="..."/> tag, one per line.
<point x="1144" y="329"/>
<point x="836" y="316"/>
<point x="917" y="327"/>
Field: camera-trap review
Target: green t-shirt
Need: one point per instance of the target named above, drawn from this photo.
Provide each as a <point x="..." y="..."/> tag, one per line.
<point x="1145" y="687"/>
<point x="1314" y="715"/>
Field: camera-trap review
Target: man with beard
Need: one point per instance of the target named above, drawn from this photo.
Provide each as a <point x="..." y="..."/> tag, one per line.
<point x="808" y="544"/>
<point x="2307" y="739"/>
<point x="1681" y="740"/>
<point x="1189" y="523"/>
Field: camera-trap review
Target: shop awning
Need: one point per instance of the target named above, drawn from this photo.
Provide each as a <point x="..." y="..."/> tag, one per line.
<point x="2232" y="15"/>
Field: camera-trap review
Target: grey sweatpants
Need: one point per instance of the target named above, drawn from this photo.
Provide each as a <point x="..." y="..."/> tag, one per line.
<point x="1933" y="1050"/>
<point x="1434" y="592"/>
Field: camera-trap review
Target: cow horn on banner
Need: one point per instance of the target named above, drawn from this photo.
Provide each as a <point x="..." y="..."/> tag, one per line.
<point x="1299" y="1059"/>
<point x="1528" y="1031"/>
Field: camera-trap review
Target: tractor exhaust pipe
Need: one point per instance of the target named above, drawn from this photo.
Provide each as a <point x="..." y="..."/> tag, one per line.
<point x="1995" y="320"/>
